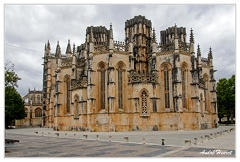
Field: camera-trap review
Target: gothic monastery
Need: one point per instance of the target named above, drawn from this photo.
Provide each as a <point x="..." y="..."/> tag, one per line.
<point x="138" y="84"/>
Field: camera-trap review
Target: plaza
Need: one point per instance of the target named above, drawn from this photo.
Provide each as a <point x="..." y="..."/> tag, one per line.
<point x="44" y="142"/>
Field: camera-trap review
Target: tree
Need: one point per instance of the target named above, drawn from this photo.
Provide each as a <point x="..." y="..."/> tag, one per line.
<point x="11" y="78"/>
<point x="14" y="105"/>
<point x="226" y="98"/>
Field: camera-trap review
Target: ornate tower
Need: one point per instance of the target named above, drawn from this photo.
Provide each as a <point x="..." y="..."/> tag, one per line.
<point x="139" y="32"/>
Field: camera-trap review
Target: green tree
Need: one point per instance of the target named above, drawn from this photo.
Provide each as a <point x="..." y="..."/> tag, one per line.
<point x="226" y="98"/>
<point x="14" y="105"/>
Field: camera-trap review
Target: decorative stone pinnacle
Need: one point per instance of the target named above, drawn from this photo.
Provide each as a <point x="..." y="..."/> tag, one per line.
<point x="210" y="53"/>
<point x="198" y="50"/>
<point x="191" y="36"/>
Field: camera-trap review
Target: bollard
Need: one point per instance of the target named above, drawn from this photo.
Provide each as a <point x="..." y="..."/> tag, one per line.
<point x="201" y="139"/>
<point x="211" y="136"/>
<point x="110" y="138"/>
<point x="163" y="141"/>
<point x="97" y="137"/>
<point x="86" y="136"/>
<point x="74" y="136"/>
<point x="144" y="142"/>
<point x="48" y="134"/>
<point x="188" y="142"/>
<point x="207" y="137"/>
<point x="65" y="135"/>
<point x="125" y="139"/>
<point x="42" y="133"/>
<point x="195" y="141"/>
<point x="57" y="134"/>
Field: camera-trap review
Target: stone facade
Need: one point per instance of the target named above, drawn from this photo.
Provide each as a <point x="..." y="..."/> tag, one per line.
<point x="139" y="84"/>
<point x="33" y="109"/>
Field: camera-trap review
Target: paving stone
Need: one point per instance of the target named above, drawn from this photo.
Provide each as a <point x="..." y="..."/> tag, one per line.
<point x="32" y="145"/>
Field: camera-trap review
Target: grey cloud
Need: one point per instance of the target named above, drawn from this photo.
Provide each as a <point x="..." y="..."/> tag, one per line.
<point x="31" y="26"/>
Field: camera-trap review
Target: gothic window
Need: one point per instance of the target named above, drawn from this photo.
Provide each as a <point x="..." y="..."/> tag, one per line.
<point x="144" y="102"/>
<point x="67" y="93"/>
<point x="166" y="87"/>
<point x="184" y="86"/>
<point x="120" y="89"/>
<point x="102" y="85"/>
<point x="38" y="112"/>
<point x="120" y="66"/>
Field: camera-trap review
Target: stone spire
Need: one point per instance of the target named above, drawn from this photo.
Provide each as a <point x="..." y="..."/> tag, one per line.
<point x="74" y="72"/>
<point x="198" y="51"/>
<point x="48" y="46"/>
<point x="199" y="58"/>
<point x="176" y="38"/>
<point x="68" y="50"/>
<point x="192" y="43"/>
<point x="154" y="36"/>
<point x="91" y="34"/>
<point x="58" y="50"/>
<point x="110" y="39"/>
<point x="210" y="57"/>
<point x="91" y="48"/>
<point x="210" y="53"/>
<point x="111" y="31"/>
<point x="191" y="36"/>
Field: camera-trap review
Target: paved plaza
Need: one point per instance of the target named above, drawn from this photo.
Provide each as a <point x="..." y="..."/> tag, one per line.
<point x="44" y="142"/>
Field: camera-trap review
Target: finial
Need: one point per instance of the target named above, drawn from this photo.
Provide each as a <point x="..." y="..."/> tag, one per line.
<point x="111" y="32"/>
<point x="198" y="50"/>
<point x="210" y="53"/>
<point x="175" y="31"/>
<point x="191" y="36"/>
<point x="48" y="46"/>
<point x="68" y="50"/>
<point x="154" y="35"/>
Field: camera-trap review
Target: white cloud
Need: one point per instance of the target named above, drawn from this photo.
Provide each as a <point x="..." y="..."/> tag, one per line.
<point x="31" y="26"/>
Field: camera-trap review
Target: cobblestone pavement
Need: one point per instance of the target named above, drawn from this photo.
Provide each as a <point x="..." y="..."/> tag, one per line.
<point x="42" y="142"/>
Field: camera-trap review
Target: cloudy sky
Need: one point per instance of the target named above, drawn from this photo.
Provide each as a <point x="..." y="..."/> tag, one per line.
<point x="28" y="27"/>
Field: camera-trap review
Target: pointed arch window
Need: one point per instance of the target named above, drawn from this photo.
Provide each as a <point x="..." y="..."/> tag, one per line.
<point x="102" y="85"/>
<point x="120" y="86"/>
<point x="184" y="86"/>
<point x="166" y="87"/>
<point x="67" y="93"/>
<point x="38" y="112"/>
<point x="144" y="102"/>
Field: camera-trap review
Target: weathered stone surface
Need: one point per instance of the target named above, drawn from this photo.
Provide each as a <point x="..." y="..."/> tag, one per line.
<point x="130" y="86"/>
